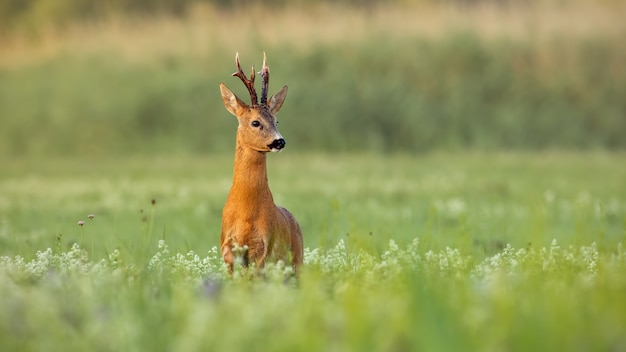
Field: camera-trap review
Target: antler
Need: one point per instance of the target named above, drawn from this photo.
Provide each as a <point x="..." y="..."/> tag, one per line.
<point x="265" y="74"/>
<point x="249" y="82"/>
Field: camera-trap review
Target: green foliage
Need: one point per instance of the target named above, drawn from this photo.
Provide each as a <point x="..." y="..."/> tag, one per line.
<point x="463" y="92"/>
<point x="481" y="201"/>
<point x="407" y="298"/>
<point x="389" y="94"/>
<point x="456" y="252"/>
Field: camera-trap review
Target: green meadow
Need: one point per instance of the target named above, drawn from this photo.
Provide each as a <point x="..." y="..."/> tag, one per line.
<point x="457" y="170"/>
<point x="500" y="251"/>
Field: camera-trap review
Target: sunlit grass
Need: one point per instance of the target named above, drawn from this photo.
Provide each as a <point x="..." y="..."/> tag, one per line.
<point x="439" y="252"/>
<point x="408" y="297"/>
<point x="441" y="198"/>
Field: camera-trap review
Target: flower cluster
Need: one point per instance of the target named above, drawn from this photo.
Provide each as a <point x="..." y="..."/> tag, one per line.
<point x="72" y="262"/>
<point x="188" y="267"/>
<point x="339" y="262"/>
<point x="577" y="262"/>
<point x="391" y="263"/>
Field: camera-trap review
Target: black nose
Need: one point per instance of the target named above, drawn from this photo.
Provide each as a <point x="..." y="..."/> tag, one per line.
<point x="277" y="144"/>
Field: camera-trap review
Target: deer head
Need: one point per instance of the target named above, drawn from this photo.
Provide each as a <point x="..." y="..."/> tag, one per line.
<point x="257" y="122"/>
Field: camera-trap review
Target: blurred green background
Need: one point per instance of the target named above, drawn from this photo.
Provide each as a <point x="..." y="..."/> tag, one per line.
<point x="89" y="78"/>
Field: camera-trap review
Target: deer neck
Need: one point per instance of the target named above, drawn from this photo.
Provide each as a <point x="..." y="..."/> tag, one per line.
<point x="250" y="188"/>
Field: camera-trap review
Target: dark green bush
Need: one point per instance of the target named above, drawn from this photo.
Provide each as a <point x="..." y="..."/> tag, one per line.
<point x="410" y="95"/>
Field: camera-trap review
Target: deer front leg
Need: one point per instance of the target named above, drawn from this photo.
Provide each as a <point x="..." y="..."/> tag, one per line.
<point x="233" y="253"/>
<point x="229" y="257"/>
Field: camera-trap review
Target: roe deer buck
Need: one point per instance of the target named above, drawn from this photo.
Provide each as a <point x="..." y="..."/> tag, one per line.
<point x="250" y="217"/>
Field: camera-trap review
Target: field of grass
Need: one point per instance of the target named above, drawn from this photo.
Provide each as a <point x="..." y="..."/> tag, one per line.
<point x="490" y="252"/>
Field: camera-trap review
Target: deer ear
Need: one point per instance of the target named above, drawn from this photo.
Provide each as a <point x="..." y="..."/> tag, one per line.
<point x="276" y="101"/>
<point x="232" y="103"/>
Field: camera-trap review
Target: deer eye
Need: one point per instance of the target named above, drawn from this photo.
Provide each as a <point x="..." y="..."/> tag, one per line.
<point x="255" y="123"/>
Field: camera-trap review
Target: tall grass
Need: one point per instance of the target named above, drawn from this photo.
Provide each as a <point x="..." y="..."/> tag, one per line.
<point x="384" y="93"/>
<point x="484" y="252"/>
<point x="466" y="200"/>
<point x="407" y="298"/>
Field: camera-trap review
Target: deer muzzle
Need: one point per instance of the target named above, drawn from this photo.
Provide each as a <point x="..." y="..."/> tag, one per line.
<point x="277" y="145"/>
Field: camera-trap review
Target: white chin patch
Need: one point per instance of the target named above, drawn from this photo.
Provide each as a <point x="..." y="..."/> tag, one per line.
<point x="275" y="150"/>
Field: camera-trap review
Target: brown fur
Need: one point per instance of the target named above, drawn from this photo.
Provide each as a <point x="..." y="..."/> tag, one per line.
<point x="250" y="217"/>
